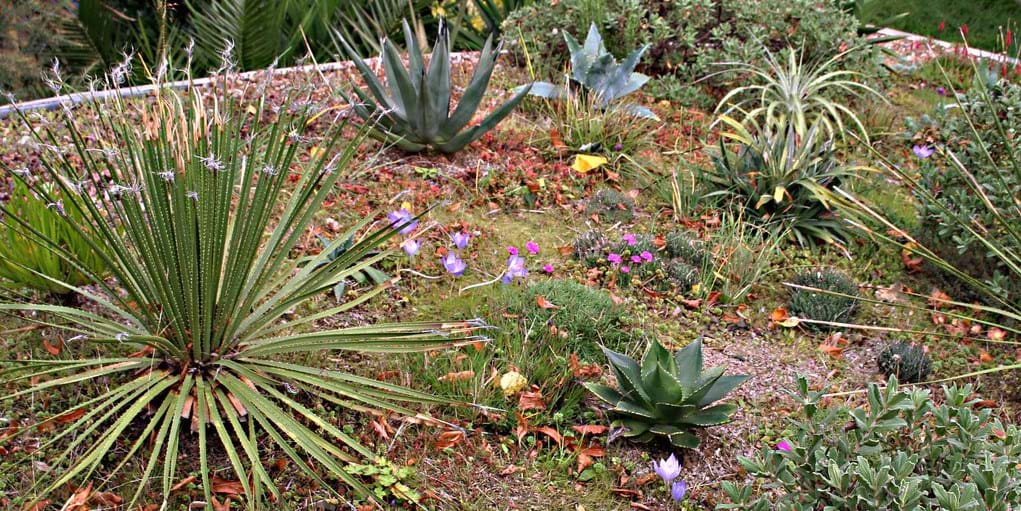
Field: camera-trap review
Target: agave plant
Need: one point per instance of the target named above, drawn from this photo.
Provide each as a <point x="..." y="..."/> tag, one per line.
<point x="780" y="178"/>
<point x="668" y="395"/>
<point x="415" y="114"/>
<point x="598" y="74"/>
<point x="189" y="202"/>
<point x="794" y="93"/>
<point x="27" y="264"/>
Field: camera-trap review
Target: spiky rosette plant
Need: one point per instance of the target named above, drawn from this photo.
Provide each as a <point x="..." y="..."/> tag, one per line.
<point x="190" y="202"/>
<point x="668" y="395"/>
<point x="907" y="361"/>
<point x="414" y="114"/>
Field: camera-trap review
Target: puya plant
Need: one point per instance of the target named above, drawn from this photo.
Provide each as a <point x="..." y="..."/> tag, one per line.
<point x="197" y="206"/>
<point x="414" y="113"/>
<point x="596" y="74"/>
<point x="27" y="264"/>
<point x="667" y="395"/>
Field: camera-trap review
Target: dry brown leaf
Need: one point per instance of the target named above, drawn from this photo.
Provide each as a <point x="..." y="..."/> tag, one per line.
<point x="779" y="315"/>
<point x="590" y="429"/>
<point x="457" y="376"/>
<point x="531" y="400"/>
<point x="833" y="351"/>
<point x="543" y="303"/>
<point x="552" y="433"/>
<point x="449" y="439"/>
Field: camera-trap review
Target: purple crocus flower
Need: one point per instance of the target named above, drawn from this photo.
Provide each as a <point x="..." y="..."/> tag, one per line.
<point x="784" y="446"/>
<point x="618" y="147"/>
<point x="411" y="247"/>
<point x="678" y="490"/>
<point x="453" y="264"/>
<point x="923" y="151"/>
<point x="402" y="219"/>
<point x="512" y="250"/>
<point x="668" y="469"/>
<point x="630" y="239"/>
<point x="532" y="247"/>
<point x="461" y="239"/>
<point x="614" y="258"/>
<point x="515" y="269"/>
<point x="646" y="256"/>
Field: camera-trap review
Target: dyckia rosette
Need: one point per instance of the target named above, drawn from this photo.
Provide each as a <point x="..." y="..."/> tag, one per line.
<point x="667" y="395"/>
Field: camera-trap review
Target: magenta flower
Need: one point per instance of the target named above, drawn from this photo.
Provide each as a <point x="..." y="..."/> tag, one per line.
<point x="678" y="490"/>
<point x="636" y="259"/>
<point x="532" y="247"/>
<point x="625" y="269"/>
<point x="630" y="239"/>
<point x="923" y="151"/>
<point x="941" y="91"/>
<point x="614" y="258"/>
<point x="411" y="247"/>
<point x="512" y="250"/>
<point x="668" y="469"/>
<point x="453" y="264"/>
<point x="548" y="268"/>
<point x="403" y="220"/>
<point x="784" y="446"/>
<point x="515" y="269"/>
<point x="461" y="239"/>
<point x="646" y="256"/>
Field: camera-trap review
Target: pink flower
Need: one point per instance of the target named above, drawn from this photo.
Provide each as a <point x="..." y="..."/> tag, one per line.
<point x="784" y="446"/>
<point x="614" y="258"/>
<point x="630" y="239"/>
<point x="636" y="259"/>
<point x="548" y="268"/>
<point x="512" y="250"/>
<point x="647" y="256"/>
<point x="532" y="247"/>
<point x="625" y="269"/>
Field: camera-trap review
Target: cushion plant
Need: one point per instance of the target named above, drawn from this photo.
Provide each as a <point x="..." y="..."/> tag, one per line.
<point x="415" y="113"/>
<point x="198" y="224"/>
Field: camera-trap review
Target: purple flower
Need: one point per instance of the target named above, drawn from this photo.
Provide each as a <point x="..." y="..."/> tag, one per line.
<point x="618" y="147"/>
<point x="784" y="446"/>
<point x="515" y="269"/>
<point x="411" y="247"/>
<point x="461" y="239"/>
<point x="941" y="91"/>
<point x="923" y="151"/>
<point x="668" y="469"/>
<point x="548" y="268"/>
<point x="532" y="247"/>
<point x="636" y="259"/>
<point x="512" y="250"/>
<point x="647" y="256"/>
<point x="614" y="258"/>
<point x="678" y="490"/>
<point x="625" y="269"/>
<point x="402" y="219"/>
<point x="453" y="264"/>
<point x="630" y="239"/>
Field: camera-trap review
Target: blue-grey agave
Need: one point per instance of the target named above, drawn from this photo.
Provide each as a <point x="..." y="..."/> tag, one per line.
<point x="415" y="114"/>
<point x="599" y="74"/>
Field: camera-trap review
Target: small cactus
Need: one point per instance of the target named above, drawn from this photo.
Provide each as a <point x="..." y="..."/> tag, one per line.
<point x="907" y="361"/>
<point x="611" y="206"/>
<point x="682" y="274"/>
<point x="821" y="306"/>
<point x="686" y="247"/>
<point x="589" y="247"/>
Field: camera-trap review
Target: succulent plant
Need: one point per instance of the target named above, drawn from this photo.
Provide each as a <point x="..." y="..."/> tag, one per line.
<point x="611" y="206"/>
<point x="668" y="395"/>
<point x="682" y="274"/>
<point x="907" y="361"/>
<point x="823" y="306"/>
<point x="686" y="247"/>
<point x="415" y="113"/>
<point x="589" y="247"/>
<point x="597" y="72"/>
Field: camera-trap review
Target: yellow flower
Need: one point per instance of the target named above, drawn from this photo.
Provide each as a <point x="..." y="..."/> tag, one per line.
<point x="587" y="162"/>
<point x="512" y="382"/>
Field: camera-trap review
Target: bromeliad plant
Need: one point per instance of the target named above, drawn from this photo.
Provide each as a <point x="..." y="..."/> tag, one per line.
<point x="415" y="113"/>
<point x="596" y="74"/>
<point x="24" y="263"/>
<point x="199" y="224"/>
<point x="668" y="395"/>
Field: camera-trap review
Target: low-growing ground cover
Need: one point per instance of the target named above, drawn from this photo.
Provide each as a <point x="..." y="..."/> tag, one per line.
<point x="561" y="247"/>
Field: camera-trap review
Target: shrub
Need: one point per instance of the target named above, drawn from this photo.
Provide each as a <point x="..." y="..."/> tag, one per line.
<point x="50" y="266"/>
<point x="901" y="451"/>
<point x="686" y="38"/>
<point x="200" y="225"/>
<point x="906" y="361"/>
<point x="668" y="395"/>
<point x="820" y="305"/>
<point x="780" y="178"/>
<point x="611" y="206"/>
<point x="584" y="316"/>
<point x="416" y="115"/>
<point x="946" y="196"/>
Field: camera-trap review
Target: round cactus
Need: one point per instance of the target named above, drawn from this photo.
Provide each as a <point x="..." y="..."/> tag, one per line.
<point x="611" y="206"/>
<point x="589" y="247"/>
<point x="687" y="247"/>
<point x="822" y="306"/>
<point x="907" y="361"/>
